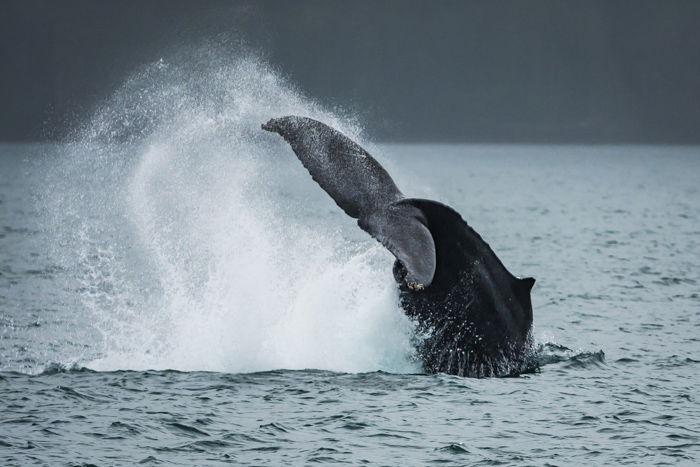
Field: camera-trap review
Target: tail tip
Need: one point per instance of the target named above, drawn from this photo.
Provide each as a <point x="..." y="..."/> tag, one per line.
<point x="269" y="126"/>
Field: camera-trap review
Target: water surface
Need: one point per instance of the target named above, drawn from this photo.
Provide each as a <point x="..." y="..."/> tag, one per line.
<point x="610" y="233"/>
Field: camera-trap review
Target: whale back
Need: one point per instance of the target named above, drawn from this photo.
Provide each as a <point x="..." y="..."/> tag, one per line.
<point x="458" y="247"/>
<point x="477" y="313"/>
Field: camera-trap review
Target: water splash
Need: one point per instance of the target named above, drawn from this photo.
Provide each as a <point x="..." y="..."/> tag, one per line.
<point x="197" y="242"/>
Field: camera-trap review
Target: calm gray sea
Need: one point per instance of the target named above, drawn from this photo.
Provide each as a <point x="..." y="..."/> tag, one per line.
<point x="210" y="309"/>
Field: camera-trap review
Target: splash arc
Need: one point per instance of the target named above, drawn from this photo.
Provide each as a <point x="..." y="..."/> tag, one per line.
<point x="474" y="317"/>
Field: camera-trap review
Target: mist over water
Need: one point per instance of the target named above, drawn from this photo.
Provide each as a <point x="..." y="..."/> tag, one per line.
<point x="183" y="223"/>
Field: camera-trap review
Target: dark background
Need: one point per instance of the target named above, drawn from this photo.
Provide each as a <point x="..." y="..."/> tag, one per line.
<point x="493" y="70"/>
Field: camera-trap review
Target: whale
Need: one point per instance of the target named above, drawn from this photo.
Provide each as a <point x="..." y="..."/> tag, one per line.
<point x="473" y="318"/>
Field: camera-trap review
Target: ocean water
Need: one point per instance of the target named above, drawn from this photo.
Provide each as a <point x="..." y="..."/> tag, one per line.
<point x="174" y="288"/>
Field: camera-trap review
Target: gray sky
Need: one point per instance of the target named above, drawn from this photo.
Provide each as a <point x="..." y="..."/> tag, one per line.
<point x="492" y="70"/>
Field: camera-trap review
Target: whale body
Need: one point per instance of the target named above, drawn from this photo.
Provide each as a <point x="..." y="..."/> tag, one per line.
<point x="473" y="317"/>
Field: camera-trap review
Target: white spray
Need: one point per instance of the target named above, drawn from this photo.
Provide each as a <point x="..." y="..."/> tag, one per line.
<point x="198" y="242"/>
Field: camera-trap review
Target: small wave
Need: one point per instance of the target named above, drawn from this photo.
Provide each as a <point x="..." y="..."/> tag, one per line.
<point x="454" y="448"/>
<point x="274" y="428"/>
<point x="126" y="428"/>
<point x="675" y="361"/>
<point x="551" y="353"/>
<point x="206" y="445"/>
<point x="188" y="430"/>
<point x="70" y="392"/>
<point x="54" y="368"/>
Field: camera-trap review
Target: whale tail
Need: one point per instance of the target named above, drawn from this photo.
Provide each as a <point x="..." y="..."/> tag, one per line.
<point x="474" y="316"/>
<point x="355" y="180"/>
<point x="364" y="190"/>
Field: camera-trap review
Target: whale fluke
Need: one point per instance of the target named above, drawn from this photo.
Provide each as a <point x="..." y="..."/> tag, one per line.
<point x="364" y="190"/>
<point x="473" y="316"/>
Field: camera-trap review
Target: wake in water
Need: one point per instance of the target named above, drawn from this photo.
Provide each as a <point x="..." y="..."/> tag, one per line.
<point x="177" y="220"/>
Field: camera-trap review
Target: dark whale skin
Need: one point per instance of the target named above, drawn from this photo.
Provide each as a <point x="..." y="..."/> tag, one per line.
<point x="475" y="319"/>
